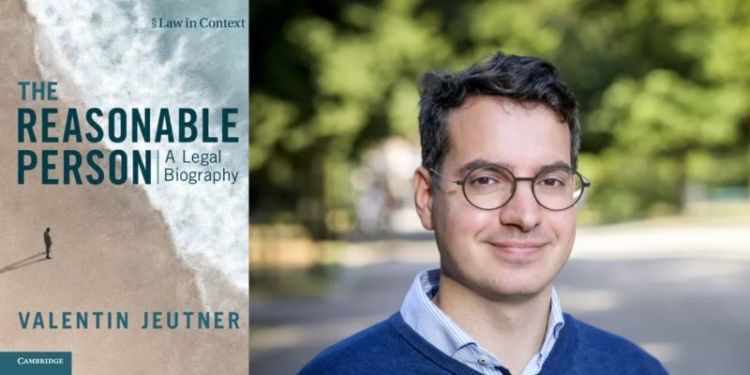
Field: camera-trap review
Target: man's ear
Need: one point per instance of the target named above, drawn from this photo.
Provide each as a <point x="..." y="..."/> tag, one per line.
<point x="423" y="196"/>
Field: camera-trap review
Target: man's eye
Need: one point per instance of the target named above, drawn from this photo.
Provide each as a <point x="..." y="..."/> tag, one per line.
<point x="483" y="180"/>
<point x="552" y="182"/>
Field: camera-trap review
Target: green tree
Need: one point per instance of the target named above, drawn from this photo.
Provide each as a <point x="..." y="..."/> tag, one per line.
<point x="663" y="88"/>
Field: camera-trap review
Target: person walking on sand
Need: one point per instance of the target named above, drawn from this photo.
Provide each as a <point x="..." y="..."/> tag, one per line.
<point x="47" y="242"/>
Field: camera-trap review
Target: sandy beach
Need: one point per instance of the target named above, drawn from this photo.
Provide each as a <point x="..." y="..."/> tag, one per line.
<point x="111" y="252"/>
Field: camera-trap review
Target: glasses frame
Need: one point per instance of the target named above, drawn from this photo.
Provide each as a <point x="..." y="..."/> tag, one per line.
<point x="585" y="183"/>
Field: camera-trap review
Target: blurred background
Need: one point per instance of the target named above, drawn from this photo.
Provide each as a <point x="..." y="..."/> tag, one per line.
<point x="663" y="250"/>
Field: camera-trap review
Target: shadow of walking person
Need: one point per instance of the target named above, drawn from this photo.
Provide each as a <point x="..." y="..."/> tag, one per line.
<point x="23" y="262"/>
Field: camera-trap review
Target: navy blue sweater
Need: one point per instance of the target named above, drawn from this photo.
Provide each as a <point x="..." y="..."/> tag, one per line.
<point x="392" y="347"/>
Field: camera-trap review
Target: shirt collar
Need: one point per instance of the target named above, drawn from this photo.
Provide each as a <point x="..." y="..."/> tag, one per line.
<point x="441" y="331"/>
<point x="428" y="320"/>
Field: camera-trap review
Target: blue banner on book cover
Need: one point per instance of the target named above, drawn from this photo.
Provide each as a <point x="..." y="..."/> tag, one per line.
<point x="35" y="363"/>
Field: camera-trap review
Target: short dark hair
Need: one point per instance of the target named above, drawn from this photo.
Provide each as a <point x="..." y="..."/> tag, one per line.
<point x="523" y="79"/>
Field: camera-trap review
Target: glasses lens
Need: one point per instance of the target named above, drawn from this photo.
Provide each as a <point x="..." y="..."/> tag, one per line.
<point x="558" y="188"/>
<point x="488" y="188"/>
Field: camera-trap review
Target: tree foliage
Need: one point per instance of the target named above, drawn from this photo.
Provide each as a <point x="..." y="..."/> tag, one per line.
<point x="664" y="89"/>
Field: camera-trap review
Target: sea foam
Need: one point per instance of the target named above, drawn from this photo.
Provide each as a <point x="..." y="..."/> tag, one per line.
<point x="113" y="56"/>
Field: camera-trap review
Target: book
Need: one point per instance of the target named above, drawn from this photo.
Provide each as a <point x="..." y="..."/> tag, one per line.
<point x="124" y="187"/>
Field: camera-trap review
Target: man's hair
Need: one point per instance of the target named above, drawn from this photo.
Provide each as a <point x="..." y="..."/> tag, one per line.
<point x="526" y="80"/>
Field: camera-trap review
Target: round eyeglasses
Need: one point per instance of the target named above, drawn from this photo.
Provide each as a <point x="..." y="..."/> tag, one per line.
<point x="555" y="188"/>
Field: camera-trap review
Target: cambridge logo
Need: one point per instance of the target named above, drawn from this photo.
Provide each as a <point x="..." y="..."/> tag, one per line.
<point x="35" y="363"/>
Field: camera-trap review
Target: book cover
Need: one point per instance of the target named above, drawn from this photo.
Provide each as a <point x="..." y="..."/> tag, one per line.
<point x="124" y="187"/>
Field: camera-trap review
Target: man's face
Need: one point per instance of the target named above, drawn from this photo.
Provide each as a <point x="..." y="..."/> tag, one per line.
<point x="513" y="252"/>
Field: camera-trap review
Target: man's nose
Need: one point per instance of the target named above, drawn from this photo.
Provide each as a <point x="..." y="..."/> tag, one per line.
<point x="522" y="211"/>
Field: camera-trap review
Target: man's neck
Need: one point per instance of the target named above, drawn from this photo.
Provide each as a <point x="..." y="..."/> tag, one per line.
<point x="513" y="329"/>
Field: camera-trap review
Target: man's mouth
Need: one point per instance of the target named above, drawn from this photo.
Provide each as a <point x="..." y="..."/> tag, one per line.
<point x="518" y="250"/>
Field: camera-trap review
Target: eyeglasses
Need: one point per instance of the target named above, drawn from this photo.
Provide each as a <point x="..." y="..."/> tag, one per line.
<point x="491" y="187"/>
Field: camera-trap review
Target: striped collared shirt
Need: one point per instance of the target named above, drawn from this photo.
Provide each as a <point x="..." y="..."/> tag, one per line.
<point x="441" y="331"/>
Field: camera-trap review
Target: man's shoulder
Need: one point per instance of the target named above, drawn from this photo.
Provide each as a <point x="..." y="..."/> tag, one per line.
<point x="600" y="347"/>
<point x="356" y="353"/>
<point x="595" y="338"/>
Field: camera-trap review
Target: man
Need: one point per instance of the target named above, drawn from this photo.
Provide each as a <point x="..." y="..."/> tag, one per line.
<point x="498" y="186"/>
<point x="47" y="242"/>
